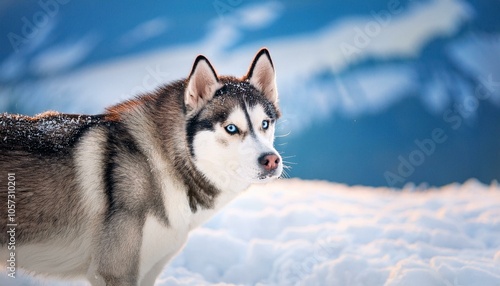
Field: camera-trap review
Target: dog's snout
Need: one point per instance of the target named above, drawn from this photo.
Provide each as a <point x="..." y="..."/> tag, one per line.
<point x="269" y="161"/>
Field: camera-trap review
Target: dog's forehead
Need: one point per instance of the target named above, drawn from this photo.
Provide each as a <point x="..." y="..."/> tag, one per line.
<point x="236" y="93"/>
<point x="240" y="90"/>
<point x="219" y="108"/>
<point x="226" y="99"/>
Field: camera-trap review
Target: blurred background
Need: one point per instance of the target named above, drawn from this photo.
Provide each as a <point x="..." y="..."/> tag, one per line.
<point x="379" y="93"/>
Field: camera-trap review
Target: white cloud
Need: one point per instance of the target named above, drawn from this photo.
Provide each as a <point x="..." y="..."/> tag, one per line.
<point x="258" y="16"/>
<point x="63" y="56"/>
<point x="15" y="65"/>
<point x="12" y="67"/>
<point x="369" y="90"/>
<point x="404" y="35"/>
<point x="478" y="56"/>
<point x="145" y="31"/>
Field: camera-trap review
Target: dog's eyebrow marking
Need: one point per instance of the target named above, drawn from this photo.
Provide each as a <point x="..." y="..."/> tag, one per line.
<point x="247" y="116"/>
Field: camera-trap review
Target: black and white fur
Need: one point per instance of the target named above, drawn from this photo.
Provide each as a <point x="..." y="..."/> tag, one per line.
<point x="112" y="197"/>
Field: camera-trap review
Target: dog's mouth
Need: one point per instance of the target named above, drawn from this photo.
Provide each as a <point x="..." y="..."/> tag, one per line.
<point x="267" y="176"/>
<point x="258" y="176"/>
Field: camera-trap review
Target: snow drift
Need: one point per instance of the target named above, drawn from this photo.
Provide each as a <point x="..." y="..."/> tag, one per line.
<point x="295" y="232"/>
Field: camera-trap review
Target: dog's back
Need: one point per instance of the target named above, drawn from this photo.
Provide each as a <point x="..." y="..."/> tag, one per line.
<point x="44" y="135"/>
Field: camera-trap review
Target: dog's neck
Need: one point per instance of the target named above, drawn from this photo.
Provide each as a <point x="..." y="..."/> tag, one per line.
<point x="163" y="115"/>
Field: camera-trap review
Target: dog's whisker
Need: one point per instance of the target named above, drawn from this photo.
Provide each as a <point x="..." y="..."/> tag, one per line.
<point x="284" y="135"/>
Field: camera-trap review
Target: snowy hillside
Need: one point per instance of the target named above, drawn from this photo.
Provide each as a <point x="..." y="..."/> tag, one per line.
<point x="296" y="232"/>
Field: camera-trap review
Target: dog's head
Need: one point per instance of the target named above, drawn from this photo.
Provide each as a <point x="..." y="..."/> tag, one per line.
<point x="231" y="122"/>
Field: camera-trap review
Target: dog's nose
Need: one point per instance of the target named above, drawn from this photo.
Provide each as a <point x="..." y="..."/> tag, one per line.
<point x="269" y="161"/>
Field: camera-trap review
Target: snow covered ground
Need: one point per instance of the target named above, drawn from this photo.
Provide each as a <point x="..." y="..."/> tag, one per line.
<point x="295" y="232"/>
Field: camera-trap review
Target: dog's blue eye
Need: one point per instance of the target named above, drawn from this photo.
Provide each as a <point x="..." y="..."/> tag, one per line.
<point x="265" y="124"/>
<point x="231" y="129"/>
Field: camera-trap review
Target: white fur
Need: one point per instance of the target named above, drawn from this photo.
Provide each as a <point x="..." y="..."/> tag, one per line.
<point x="68" y="256"/>
<point x="159" y="243"/>
<point x="88" y="158"/>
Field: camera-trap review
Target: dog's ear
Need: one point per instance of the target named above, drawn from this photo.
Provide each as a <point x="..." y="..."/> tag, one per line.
<point x="262" y="76"/>
<point x="202" y="84"/>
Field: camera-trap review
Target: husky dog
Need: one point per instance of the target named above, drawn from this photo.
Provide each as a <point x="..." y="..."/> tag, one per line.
<point x="112" y="197"/>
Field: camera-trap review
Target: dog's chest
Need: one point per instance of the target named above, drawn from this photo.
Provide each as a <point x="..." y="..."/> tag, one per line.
<point x="161" y="242"/>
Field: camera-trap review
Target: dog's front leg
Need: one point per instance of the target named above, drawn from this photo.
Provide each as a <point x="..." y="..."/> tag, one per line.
<point x="118" y="251"/>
